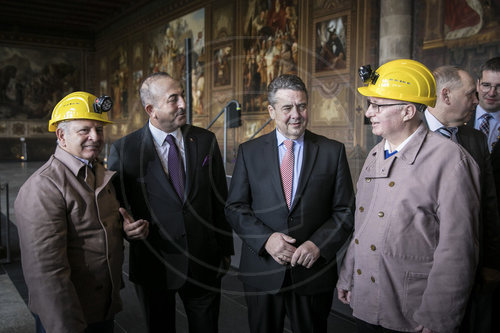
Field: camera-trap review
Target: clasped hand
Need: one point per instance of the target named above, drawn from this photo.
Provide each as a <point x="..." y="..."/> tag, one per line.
<point x="280" y="247"/>
<point x="134" y="229"/>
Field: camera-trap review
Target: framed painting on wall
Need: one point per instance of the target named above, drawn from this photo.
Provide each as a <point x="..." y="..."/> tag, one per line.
<point x="33" y="81"/>
<point x="167" y="53"/>
<point x="270" y="48"/>
<point x="222" y="60"/>
<point x="331" y="44"/>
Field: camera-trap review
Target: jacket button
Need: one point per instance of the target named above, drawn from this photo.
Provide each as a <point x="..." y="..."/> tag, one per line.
<point x="368" y="180"/>
<point x="380" y="214"/>
<point x="391" y="184"/>
<point x="361" y="209"/>
<point x="358" y="271"/>
<point x="356" y="241"/>
<point x="373" y="279"/>
<point x="373" y="247"/>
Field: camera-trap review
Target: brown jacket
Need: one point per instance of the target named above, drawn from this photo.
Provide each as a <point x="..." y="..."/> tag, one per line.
<point x="71" y="243"/>
<point x="414" y="251"/>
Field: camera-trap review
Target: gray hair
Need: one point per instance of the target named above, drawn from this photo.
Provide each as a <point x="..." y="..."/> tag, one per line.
<point x="285" y="81"/>
<point x="145" y="92"/>
<point x="447" y="77"/>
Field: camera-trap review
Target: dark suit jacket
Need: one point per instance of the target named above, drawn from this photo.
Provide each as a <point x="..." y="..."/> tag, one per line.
<point x="190" y="236"/>
<point x="322" y="211"/>
<point x="476" y="143"/>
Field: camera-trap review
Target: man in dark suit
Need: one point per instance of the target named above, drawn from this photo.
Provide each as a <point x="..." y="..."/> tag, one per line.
<point x="172" y="175"/>
<point x="291" y="201"/>
<point x="486" y="118"/>
<point x="456" y="100"/>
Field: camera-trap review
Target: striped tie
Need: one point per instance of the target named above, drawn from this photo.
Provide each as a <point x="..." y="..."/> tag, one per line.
<point x="445" y="132"/>
<point x="287" y="171"/>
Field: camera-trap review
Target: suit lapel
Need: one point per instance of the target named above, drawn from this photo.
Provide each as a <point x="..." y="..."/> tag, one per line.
<point x="271" y="154"/>
<point x="308" y="159"/>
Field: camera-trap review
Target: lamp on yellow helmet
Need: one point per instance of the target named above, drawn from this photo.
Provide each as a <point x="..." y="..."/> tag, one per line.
<point x="403" y="79"/>
<point x="81" y="105"/>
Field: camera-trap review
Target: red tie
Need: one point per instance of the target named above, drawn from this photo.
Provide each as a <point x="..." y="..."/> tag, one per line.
<point x="287" y="171"/>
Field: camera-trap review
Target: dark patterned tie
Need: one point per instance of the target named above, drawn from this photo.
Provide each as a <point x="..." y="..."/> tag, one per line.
<point x="445" y="132"/>
<point x="175" y="167"/>
<point x="286" y="169"/>
<point x="485" y="124"/>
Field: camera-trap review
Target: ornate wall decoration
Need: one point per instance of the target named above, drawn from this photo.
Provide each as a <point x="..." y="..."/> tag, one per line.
<point x="118" y="82"/>
<point x="33" y="80"/>
<point x="167" y="53"/>
<point x="331" y="43"/>
<point x="222" y="65"/>
<point x="269" y="49"/>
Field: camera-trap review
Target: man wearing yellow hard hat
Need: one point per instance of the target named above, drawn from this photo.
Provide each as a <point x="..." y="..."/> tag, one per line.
<point x="411" y="263"/>
<point x="70" y="227"/>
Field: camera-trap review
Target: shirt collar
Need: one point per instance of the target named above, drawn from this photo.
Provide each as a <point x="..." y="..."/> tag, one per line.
<point x="432" y="121"/>
<point x="401" y="146"/>
<point x="480" y="112"/>
<point x="159" y="135"/>
<point x="280" y="138"/>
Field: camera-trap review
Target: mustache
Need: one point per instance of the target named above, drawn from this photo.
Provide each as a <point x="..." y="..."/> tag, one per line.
<point x="181" y="112"/>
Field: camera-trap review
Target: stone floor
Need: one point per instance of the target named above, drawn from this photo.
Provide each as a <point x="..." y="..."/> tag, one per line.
<point x="16" y="318"/>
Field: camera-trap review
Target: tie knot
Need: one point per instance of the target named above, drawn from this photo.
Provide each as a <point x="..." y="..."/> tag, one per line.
<point x="486" y="116"/>
<point x="446" y="132"/>
<point x="170" y="139"/>
<point x="288" y="144"/>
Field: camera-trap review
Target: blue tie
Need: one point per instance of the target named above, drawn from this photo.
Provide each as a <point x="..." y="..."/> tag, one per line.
<point x="387" y="154"/>
<point x="175" y="167"/>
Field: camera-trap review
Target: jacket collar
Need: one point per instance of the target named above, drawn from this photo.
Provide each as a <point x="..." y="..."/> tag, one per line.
<point x="96" y="180"/>
<point x="379" y="167"/>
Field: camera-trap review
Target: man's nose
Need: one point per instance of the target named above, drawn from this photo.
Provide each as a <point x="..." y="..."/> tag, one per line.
<point x="95" y="135"/>
<point x="181" y="103"/>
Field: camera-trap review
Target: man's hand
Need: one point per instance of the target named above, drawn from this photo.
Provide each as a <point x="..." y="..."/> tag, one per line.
<point x="134" y="230"/>
<point x="306" y="255"/>
<point x="279" y="246"/>
<point x="344" y="295"/>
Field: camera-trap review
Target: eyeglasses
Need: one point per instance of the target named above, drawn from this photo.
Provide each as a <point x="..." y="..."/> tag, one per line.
<point x="378" y="106"/>
<point x="485" y="87"/>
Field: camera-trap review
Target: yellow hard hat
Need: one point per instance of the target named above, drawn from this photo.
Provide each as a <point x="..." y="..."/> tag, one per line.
<point x="81" y="105"/>
<point x="403" y="79"/>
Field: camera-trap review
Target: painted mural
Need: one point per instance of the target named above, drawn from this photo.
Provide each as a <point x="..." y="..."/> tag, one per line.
<point x="32" y="81"/>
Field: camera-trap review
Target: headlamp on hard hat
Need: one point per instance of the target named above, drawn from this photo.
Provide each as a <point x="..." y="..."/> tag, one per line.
<point x="103" y="104"/>
<point x="367" y="74"/>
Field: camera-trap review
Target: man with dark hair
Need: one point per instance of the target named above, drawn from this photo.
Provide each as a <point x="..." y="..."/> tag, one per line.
<point x="172" y="175"/>
<point x="291" y="201"/>
<point x="487" y="120"/>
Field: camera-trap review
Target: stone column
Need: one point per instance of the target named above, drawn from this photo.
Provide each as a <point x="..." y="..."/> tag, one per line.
<point x="395" y="30"/>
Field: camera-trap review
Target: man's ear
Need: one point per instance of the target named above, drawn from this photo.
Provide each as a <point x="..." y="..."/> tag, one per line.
<point x="272" y="111"/>
<point x="149" y="110"/>
<point x="445" y="96"/>
<point x="60" y="137"/>
<point x="409" y="112"/>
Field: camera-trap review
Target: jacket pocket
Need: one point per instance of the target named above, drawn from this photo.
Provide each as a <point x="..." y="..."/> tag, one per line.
<point x="414" y="287"/>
